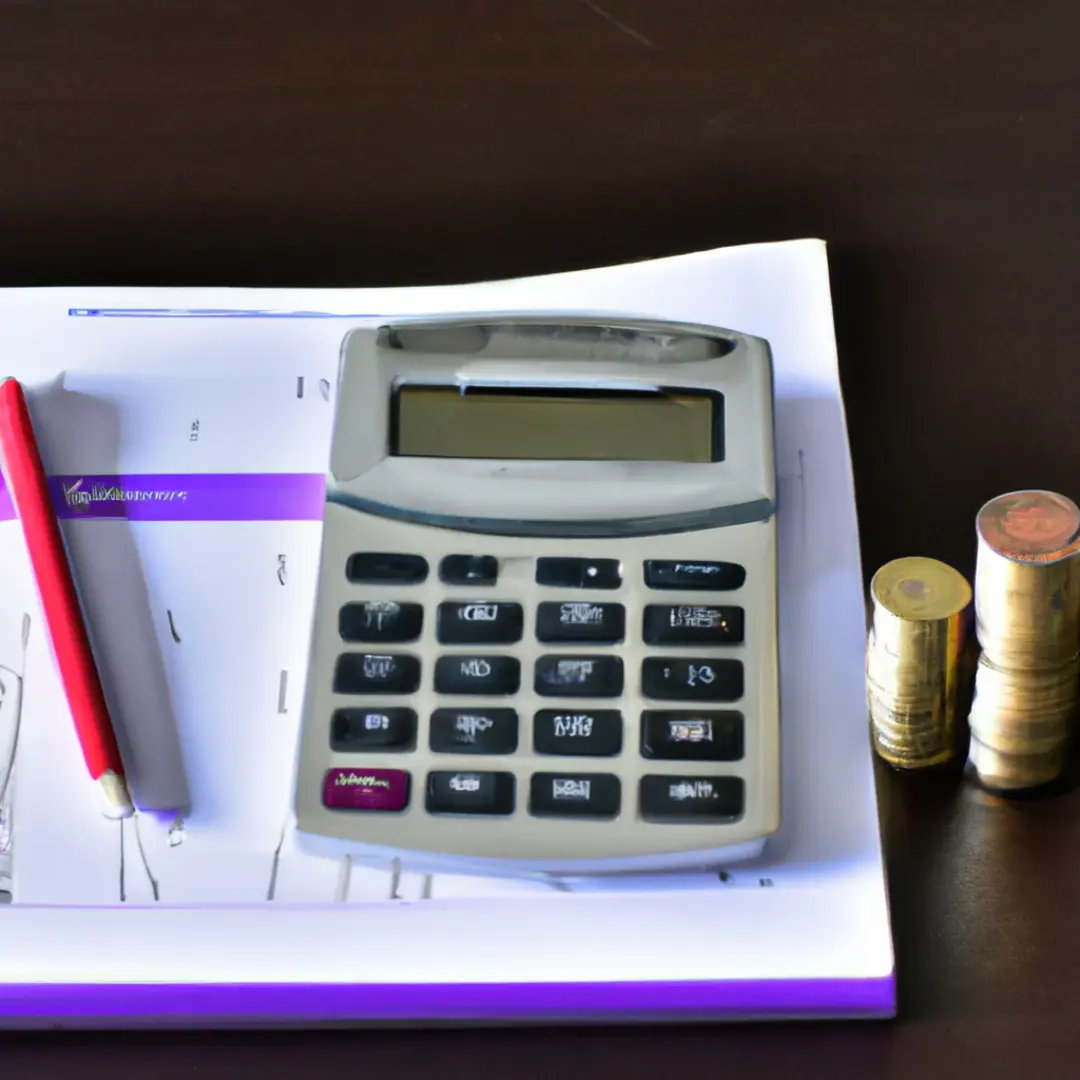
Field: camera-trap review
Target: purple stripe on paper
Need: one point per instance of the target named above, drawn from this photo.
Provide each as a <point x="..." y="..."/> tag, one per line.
<point x="315" y="1003"/>
<point x="186" y="497"/>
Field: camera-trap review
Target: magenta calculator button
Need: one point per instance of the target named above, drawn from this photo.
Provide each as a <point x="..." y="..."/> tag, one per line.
<point x="366" y="789"/>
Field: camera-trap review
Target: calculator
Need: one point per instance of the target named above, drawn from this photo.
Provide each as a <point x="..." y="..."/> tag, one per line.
<point x="545" y="630"/>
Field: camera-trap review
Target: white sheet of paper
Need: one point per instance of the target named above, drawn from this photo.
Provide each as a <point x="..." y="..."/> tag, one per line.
<point x="109" y="422"/>
<point x="200" y="719"/>
<point x="240" y="628"/>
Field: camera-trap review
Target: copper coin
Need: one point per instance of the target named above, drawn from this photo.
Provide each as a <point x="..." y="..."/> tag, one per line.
<point x="1032" y="526"/>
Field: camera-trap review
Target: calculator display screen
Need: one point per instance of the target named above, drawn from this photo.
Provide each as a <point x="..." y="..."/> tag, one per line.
<point x="550" y="424"/>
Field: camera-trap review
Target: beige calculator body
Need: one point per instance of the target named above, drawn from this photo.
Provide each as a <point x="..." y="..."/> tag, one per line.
<point x="545" y="633"/>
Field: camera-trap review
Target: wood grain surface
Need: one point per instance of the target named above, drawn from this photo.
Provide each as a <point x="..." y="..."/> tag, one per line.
<point x="933" y="143"/>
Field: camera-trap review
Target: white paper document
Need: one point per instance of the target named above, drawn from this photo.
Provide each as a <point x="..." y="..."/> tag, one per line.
<point x="159" y="412"/>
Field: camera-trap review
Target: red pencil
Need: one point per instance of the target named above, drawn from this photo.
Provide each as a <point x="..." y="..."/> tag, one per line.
<point x="59" y="601"/>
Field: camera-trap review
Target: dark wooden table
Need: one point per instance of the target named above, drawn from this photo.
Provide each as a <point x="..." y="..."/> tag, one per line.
<point x="933" y="143"/>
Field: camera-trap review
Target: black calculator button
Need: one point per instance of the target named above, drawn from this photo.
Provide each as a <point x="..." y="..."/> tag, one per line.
<point x="703" y="576"/>
<point x="474" y="731"/>
<point x="373" y="790"/>
<point x="692" y="624"/>
<point x="578" y="732"/>
<point x="559" y="623"/>
<point x="464" y="674"/>
<point x="470" y="793"/>
<point x="376" y="673"/>
<point x="562" y="573"/>
<point x="469" y="570"/>
<point x="380" y="620"/>
<point x="481" y="622"/>
<point x="685" y="735"/>
<point x="672" y="678"/>
<point x="689" y="799"/>
<point x="579" y="676"/>
<point x="357" y="731"/>
<point x="574" y="795"/>
<point x="369" y="567"/>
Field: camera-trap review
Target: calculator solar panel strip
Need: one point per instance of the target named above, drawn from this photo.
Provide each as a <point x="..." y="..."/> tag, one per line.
<point x="545" y="634"/>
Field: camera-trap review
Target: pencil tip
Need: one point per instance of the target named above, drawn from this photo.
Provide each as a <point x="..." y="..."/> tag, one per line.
<point x="117" y="797"/>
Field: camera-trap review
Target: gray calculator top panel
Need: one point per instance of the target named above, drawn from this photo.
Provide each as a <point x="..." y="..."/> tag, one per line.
<point x="590" y="498"/>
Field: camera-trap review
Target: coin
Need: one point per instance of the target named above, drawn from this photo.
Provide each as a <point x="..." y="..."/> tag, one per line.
<point x="1031" y="526"/>
<point x="1027" y="579"/>
<point x="914" y="645"/>
<point x="1022" y="724"/>
<point x="917" y="588"/>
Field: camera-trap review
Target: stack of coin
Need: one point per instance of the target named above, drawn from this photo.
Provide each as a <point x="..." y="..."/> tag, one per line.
<point x="913" y="655"/>
<point x="1027" y="620"/>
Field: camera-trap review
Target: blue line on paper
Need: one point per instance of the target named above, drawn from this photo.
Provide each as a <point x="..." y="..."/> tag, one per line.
<point x="211" y="313"/>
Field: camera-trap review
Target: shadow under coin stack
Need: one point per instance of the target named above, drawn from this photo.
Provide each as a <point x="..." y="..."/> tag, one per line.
<point x="1027" y="620"/>
<point x="913" y="655"/>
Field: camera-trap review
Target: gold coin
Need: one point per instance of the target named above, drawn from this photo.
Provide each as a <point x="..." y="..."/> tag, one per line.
<point x="1004" y="772"/>
<point x="913" y="650"/>
<point x="920" y="589"/>
<point x="1022" y="724"/>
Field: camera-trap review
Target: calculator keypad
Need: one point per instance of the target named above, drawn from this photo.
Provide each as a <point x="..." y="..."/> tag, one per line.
<point x="617" y="699"/>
